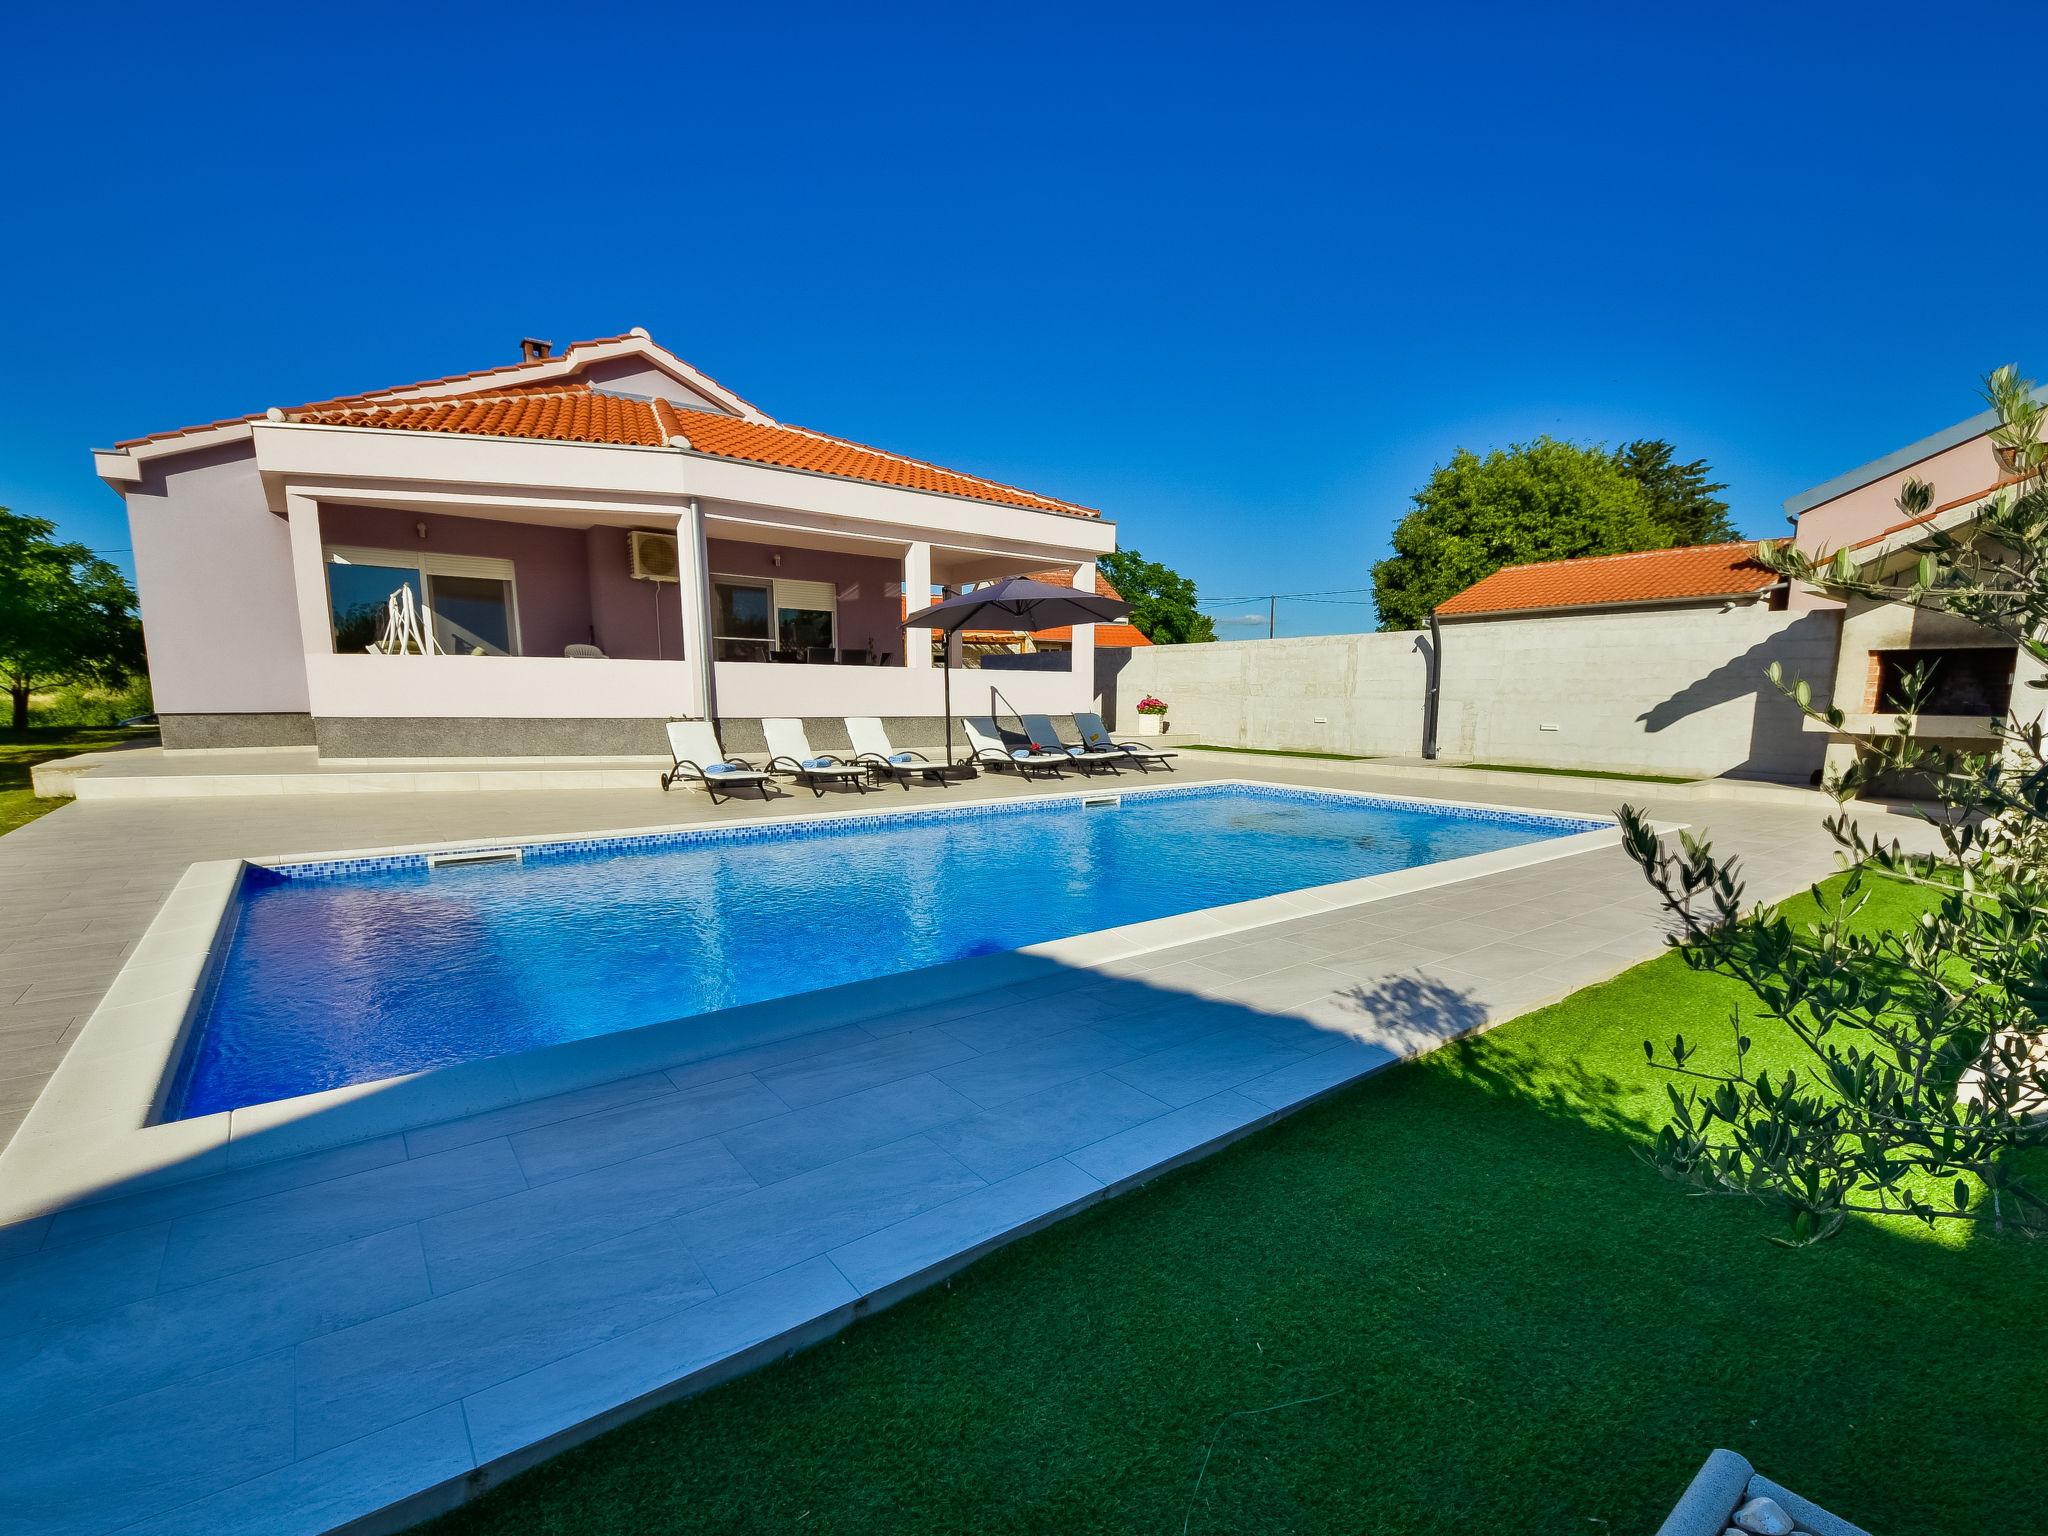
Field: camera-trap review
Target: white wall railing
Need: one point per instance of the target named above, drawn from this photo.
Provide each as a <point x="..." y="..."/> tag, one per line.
<point x="756" y="689"/>
<point x="501" y="687"/>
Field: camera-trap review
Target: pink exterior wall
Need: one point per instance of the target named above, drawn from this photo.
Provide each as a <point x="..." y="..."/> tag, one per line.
<point x="573" y="586"/>
<point x="631" y="376"/>
<point x="1856" y="515"/>
<point x="868" y="610"/>
<point x="637" y="620"/>
<point x="213" y="571"/>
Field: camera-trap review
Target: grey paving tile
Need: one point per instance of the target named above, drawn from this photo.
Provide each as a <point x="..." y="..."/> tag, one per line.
<point x="204" y="1328"/>
<point x="1131" y="1153"/>
<point x="320" y="1493"/>
<point x="1316" y="1074"/>
<point x="839" y="1128"/>
<point x="495" y="1237"/>
<point x="928" y="1014"/>
<point x="520" y="1117"/>
<point x="84" y="1476"/>
<point x="1504" y="960"/>
<point x="775" y="1053"/>
<point x="1025" y="1132"/>
<point x="579" y="1387"/>
<point x="1257" y="954"/>
<point x="569" y="1147"/>
<point x="996" y="1077"/>
<point x="52" y="1284"/>
<point x="852" y="1068"/>
<point x="932" y="1237"/>
<point x="396" y="1367"/>
<point x="229" y="1188"/>
<point x="1182" y="1074"/>
<point x="756" y="1234"/>
<point x="219" y="1242"/>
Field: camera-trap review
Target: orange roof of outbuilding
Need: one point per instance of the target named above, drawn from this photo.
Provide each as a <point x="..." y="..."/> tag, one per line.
<point x="1694" y="573"/>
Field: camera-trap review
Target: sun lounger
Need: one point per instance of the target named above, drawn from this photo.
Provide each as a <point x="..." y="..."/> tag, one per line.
<point x="790" y="752"/>
<point x="1142" y="753"/>
<point x="873" y="750"/>
<point x="1085" y="758"/>
<point x="694" y="746"/>
<point x="988" y="747"/>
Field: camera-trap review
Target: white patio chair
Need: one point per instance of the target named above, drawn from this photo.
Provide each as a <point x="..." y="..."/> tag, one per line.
<point x="694" y="746"/>
<point x="790" y="752"/>
<point x="1085" y="758"/>
<point x="1144" y="754"/>
<point x="986" y="743"/>
<point x="874" y="751"/>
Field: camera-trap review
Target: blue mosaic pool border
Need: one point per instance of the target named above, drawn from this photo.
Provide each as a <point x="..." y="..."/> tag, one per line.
<point x="565" y="849"/>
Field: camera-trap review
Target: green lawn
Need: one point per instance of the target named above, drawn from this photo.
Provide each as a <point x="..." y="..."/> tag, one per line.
<point x="1328" y="757"/>
<point x="1583" y="773"/>
<point x="1505" y="1319"/>
<point x="21" y="750"/>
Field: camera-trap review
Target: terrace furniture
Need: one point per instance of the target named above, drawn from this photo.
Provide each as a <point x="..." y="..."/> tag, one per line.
<point x="873" y="749"/>
<point x="988" y="747"/>
<point x="790" y="752"/>
<point x="694" y="746"/>
<point x="1088" y="759"/>
<point x="1095" y="736"/>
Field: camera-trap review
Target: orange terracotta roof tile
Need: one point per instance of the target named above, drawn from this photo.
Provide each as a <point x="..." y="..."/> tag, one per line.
<point x="1698" y="572"/>
<point x="576" y="413"/>
<point x="395" y="389"/>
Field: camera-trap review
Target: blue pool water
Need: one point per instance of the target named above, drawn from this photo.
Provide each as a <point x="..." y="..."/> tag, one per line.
<point x="353" y="971"/>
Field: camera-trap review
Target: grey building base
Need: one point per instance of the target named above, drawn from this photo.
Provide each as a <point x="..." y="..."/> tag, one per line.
<point x="472" y="738"/>
<point x="352" y="737"/>
<point x="186" y="733"/>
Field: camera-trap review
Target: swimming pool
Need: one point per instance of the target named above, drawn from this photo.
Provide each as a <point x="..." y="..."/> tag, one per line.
<point x="351" y="970"/>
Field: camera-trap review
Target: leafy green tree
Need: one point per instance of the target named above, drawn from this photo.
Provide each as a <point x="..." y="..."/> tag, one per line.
<point x="1926" y="1070"/>
<point x="1682" y="499"/>
<point x="1162" y="600"/>
<point x="66" y="616"/>
<point x="1544" y="500"/>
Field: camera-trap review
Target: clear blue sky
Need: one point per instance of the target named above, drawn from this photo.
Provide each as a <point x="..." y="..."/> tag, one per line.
<point x="1239" y="276"/>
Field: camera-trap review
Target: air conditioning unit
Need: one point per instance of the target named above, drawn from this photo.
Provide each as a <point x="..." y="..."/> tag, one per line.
<point x="654" y="556"/>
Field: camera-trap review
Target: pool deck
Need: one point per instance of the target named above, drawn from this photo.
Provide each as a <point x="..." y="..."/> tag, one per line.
<point x="374" y="1331"/>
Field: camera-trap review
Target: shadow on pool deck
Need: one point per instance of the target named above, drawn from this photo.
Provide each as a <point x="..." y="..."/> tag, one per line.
<point x="401" y="1321"/>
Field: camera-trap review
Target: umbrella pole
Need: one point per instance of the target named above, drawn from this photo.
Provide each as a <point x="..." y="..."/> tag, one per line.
<point x="946" y="686"/>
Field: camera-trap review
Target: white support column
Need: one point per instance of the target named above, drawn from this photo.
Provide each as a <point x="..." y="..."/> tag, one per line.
<point x="309" y="575"/>
<point x="694" y="591"/>
<point x="917" y="593"/>
<point x="1082" y="658"/>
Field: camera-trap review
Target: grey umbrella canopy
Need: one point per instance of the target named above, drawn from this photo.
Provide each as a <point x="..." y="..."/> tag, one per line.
<point x="1015" y="602"/>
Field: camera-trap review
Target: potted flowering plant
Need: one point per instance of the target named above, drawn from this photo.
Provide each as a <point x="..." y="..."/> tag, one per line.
<point x="1151" y="716"/>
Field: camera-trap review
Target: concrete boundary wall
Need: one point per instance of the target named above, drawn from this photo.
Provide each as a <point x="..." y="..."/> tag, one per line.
<point x="1678" y="691"/>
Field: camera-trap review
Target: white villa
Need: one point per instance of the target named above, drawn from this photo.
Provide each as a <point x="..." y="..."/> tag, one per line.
<point x="595" y="541"/>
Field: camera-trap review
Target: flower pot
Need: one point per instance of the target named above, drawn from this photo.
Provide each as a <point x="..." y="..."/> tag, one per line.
<point x="1151" y="725"/>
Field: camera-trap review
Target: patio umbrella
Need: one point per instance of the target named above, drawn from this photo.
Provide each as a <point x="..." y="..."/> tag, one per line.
<point x="1015" y="602"/>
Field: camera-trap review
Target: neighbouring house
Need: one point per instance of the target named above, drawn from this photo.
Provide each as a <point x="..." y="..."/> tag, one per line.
<point x="594" y="541"/>
<point x="1974" y="675"/>
<point x="1050" y="643"/>
<point x="1705" y="576"/>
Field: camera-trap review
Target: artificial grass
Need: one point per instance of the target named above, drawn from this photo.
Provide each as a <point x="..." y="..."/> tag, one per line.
<point x="22" y="750"/>
<point x="1583" y="773"/>
<point x="1328" y="757"/>
<point x="1499" y="1317"/>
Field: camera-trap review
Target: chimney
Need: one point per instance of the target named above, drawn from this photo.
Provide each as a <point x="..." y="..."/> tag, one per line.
<point x="532" y="350"/>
